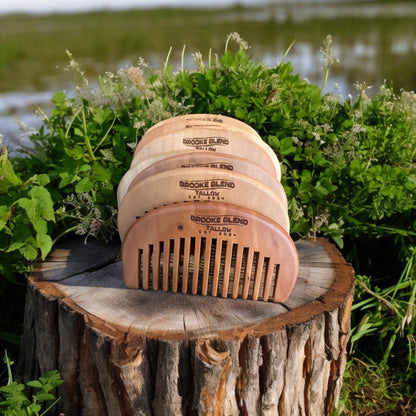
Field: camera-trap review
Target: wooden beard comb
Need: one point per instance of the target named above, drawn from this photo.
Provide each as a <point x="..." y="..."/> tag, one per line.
<point x="202" y="211"/>
<point x="210" y="248"/>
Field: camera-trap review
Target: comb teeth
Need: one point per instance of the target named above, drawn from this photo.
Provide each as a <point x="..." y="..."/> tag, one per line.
<point x="207" y="266"/>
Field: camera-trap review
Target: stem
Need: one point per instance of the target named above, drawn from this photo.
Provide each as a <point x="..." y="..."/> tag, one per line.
<point x="67" y="231"/>
<point x="105" y="135"/>
<point x="226" y="43"/>
<point x="72" y="121"/>
<point x="167" y="59"/>
<point x="87" y="140"/>
<point x="182" y="58"/>
<point x="287" y="51"/>
<point x="9" y="369"/>
<point x="326" y="77"/>
<point x="50" y="407"/>
<point x="390" y="307"/>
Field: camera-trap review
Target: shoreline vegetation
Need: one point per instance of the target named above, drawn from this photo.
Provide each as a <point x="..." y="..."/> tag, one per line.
<point x="348" y="163"/>
<point x="32" y="46"/>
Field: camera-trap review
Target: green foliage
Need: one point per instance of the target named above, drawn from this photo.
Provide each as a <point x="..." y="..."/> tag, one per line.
<point x="371" y="389"/>
<point x="387" y="315"/>
<point x="15" y="401"/>
<point x="26" y="211"/>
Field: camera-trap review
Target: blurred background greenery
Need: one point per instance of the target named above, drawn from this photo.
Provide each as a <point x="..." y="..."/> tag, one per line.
<point x="374" y="40"/>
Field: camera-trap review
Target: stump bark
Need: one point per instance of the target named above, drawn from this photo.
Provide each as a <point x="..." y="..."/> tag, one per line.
<point x="131" y="352"/>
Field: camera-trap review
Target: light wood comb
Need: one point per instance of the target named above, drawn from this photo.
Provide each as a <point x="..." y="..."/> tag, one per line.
<point x="210" y="160"/>
<point x="191" y="121"/>
<point x="210" y="248"/>
<point x="210" y="139"/>
<point x="199" y="184"/>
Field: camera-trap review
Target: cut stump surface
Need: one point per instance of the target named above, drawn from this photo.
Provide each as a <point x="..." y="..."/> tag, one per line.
<point x="130" y="352"/>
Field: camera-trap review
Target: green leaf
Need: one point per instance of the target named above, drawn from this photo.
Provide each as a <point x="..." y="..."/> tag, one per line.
<point x="39" y="208"/>
<point x="33" y="409"/>
<point x="58" y="98"/>
<point x="45" y="244"/>
<point x="75" y="153"/>
<point x="241" y="113"/>
<point x="44" y="397"/>
<point x="67" y="178"/>
<point x="4" y="216"/>
<point x="84" y="185"/>
<point x="42" y="179"/>
<point x="8" y="178"/>
<point x="274" y="142"/>
<point x="286" y="146"/>
<point x="22" y="230"/>
<point x="10" y="337"/>
<point x="44" y="203"/>
<point x="35" y="383"/>
<point x="410" y="184"/>
<point x="30" y="249"/>
<point x="15" y="246"/>
<point x="51" y="380"/>
<point x="100" y="173"/>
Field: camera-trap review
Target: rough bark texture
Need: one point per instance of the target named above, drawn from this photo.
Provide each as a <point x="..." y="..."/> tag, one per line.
<point x="129" y="352"/>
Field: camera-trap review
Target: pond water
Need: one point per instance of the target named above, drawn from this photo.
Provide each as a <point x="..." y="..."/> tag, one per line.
<point x="373" y="41"/>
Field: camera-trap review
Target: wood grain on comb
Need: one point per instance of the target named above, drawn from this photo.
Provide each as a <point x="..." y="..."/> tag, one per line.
<point x="210" y="139"/>
<point x="210" y="248"/>
<point x="202" y="159"/>
<point x="199" y="184"/>
<point x="197" y="120"/>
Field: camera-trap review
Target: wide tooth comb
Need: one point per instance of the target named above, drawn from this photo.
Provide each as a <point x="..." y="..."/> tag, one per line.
<point x="248" y="256"/>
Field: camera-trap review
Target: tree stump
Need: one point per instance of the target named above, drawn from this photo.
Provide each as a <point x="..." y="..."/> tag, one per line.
<point x="131" y="352"/>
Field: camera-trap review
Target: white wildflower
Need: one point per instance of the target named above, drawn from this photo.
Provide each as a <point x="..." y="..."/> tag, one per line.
<point x="199" y="60"/>
<point x="157" y="111"/>
<point x="238" y="39"/>
<point x="362" y="88"/>
<point x="358" y="128"/>
<point x="327" y="55"/>
<point x="74" y="66"/>
<point x="135" y="75"/>
<point x="139" y="124"/>
<point x="297" y="141"/>
<point x="317" y="137"/>
<point x="326" y="128"/>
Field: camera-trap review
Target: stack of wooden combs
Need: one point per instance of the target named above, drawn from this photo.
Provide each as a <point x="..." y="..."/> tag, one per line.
<point x="202" y="211"/>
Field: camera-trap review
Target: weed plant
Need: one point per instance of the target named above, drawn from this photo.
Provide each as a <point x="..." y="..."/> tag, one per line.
<point x="348" y="167"/>
<point x="14" y="401"/>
